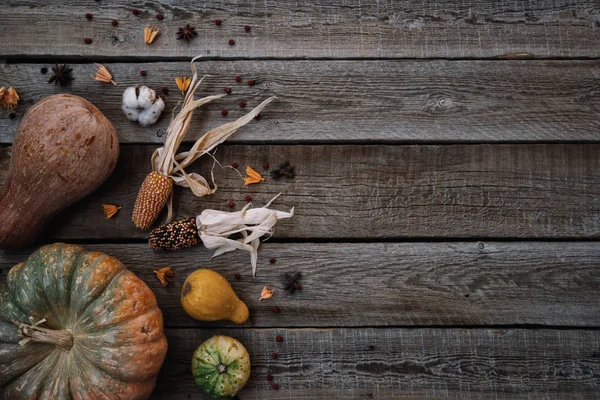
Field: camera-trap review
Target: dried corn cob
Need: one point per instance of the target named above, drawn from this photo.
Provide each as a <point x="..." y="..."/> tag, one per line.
<point x="152" y="197"/>
<point x="179" y="234"/>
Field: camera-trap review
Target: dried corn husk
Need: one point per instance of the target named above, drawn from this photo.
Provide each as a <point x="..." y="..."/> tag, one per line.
<point x="214" y="227"/>
<point x="166" y="161"/>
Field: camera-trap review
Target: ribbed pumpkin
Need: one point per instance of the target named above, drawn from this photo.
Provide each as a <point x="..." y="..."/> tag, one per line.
<point x="221" y="366"/>
<point x="102" y="337"/>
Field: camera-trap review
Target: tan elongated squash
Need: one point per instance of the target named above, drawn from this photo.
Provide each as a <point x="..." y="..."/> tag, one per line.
<point x="63" y="150"/>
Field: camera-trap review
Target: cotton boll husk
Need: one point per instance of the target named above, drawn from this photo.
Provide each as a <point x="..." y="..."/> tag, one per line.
<point x="131" y="113"/>
<point x="150" y="115"/>
<point x="146" y="97"/>
<point x="130" y="99"/>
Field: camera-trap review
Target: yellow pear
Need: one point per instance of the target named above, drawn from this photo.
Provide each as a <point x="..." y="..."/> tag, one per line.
<point x="207" y="296"/>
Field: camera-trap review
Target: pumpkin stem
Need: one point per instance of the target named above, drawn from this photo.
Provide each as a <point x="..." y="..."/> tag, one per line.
<point x="62" y="338"/>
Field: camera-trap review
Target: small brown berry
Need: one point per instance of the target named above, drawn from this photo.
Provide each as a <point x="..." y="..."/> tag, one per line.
<point x="266" y="165"/>
<point x="231" y="204"/>
<point x="89" y="16"/>
<point x="274" y="356"/>
<point x="224" y="112"/>
<point x="228" y="90"/>
<point x="218" y="22"/>
<point x="275" y="386"/>
<point x="135" y="11"/>
<point x="115" y="22"/>
<point x="238" y="78"/>
<point x="276" y="310"/>
<point x="160" y="17"/>
<point x="248" y="198"/>
<point x="272" y="261"/>
<point x="242" y="104"/>
<point x="269" y="378"/>
<point x="231" y="42"/>
<point x="87" y="40"/>
<point x="143" y="73"/>
<point x="237" y="276"/>
<point x="279" y="338"/>
<point x="165" y="90"/>
<point x="234" y="164"/>
<point x="247" y="28"/>
<point x="251" y="82"/>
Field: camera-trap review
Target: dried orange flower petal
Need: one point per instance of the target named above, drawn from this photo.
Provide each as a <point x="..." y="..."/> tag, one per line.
<point x="266" y="293"/>
<point x="164" y="275"/>
<point x="8" y="98"/>
<point x="252" y="176"/>
<point x="150" y="34"/>
<point x="183" y="83"/>
<point x="110" y="210"/>
<point x="103" y="75"/>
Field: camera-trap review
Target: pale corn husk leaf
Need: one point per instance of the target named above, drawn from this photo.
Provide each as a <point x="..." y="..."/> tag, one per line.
<point x="215" y="227"/>
<point x="168" y="163"/>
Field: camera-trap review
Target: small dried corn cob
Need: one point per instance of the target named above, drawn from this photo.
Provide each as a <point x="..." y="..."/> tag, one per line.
<point x="152" y="197"/>
<point x="179" y="234"/>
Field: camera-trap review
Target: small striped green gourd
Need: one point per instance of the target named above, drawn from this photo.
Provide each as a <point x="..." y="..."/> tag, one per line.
<point x="78" y="325"/>
<point x="221" y="366"/>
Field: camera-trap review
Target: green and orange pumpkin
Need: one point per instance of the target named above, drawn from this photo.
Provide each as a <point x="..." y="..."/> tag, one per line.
<point x="221" y="366"/>
<point x="77" y="324"/>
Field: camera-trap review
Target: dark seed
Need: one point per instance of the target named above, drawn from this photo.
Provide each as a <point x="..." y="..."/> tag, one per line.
<point x="276" y="310"/>
<point x="247" y="28"/>
<point x="160" y="17"/>
<point x="248" y="198"/>
<point x="228" y="90"/>
<point x="275" y="386"/>
<point x="274" y="356"/>
<point x="135" y="11"/>
<point x="115" y="22"/>
<point x="231" y="204"/>
<point x="251" y="82"/>
<point x="88" y="40"/>
<point x="237" y="276"/>
<point x="12" y="115"/>
<point x="143" y="73"/>
<point x="266" y="165"/>
<point x="242" y="104"/>
<point x="89" y="16"/>
<point x="238" y="78"/>
<point x="234" y="164"/>
<point x="165" y="90"/>
<point x="231" y="42"/>
<point x="224" y="112"/>
<point x="272" y="261"/>
<point x="218" y="22"/>
<point x="279" y="338"/>
<point x="269" y="378"/>
<point x="44" y="70"/>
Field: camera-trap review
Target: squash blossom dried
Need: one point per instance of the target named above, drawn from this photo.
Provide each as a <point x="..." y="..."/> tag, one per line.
<point x="164" y="275"/>
<point x="150" y="34"/>
<point x="103" y="75"/>
<point x="183" y="83"/>
<point x="110" y="210"/>
<point x="8" y="98"/>
<point x="252" y="177"/>
<point x="168" y="167"/>
<point x="266" y="293"/>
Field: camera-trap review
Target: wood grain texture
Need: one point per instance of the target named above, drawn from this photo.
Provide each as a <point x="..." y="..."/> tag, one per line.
<point x="367" y="101"/>
<point x="356" y="192"/>
<point x="379" y="284"/>
<point x="400" y="363"/>
<point x="286" y="28"/>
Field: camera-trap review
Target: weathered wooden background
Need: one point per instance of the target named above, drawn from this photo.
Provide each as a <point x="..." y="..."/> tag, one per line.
<point x="447" y="192"/>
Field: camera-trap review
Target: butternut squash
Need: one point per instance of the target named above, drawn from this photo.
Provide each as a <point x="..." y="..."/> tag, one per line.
<point x="63" y="150"/>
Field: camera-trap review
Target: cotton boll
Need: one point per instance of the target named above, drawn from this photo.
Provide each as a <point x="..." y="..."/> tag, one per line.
<point x="130" y="99"/>
<point x="131" y="113"/>
<point x="146" y="97"/>
<point x="150" y="115"/>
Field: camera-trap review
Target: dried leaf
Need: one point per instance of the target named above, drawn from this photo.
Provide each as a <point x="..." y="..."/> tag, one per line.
<point x="164" y="275"/>
<point x="183" y="83"/>
<point x="266" y="293"/>
<point x="110" y="210"/>
<point x="103" y="75"/>
<point x="150" y="34"/>
<point x="252" y="176"/>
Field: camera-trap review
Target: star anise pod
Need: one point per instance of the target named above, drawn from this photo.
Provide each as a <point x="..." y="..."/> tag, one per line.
<point x="284" y="169"/>
<point x="291" y="282"/>
<point x="61" y="75"/>
<point x="186" y="33"/>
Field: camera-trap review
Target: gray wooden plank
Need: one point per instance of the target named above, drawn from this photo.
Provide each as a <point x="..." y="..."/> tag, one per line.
<point x="357" y="192"/>
<point x="400" y="364"/>
<point x="286" y="28"/>
<point x="383" y="284"/>
<point x="367" y="101"/>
